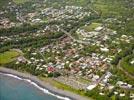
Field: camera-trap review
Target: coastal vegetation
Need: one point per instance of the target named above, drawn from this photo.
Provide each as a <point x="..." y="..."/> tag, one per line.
<point x="62" y="86"/>
<point x="20" y="1"/>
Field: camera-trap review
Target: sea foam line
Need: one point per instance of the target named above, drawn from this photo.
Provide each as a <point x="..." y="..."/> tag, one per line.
<point x="37" y="86"/>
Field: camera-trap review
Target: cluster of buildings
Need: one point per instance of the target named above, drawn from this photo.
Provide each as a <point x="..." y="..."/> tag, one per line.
<point x="47" y="14"/>
<point x="106" y="85"/>
<point x="11" y="16"/>
<point x="4" y="39"/>
<point x="5" y="23"/>
<point x="49" y="29"/>
<point x="98" y="35"/>
<point x="64" y="55"/>
<point x="67" y="12"/>
<point x="124" y="85"/>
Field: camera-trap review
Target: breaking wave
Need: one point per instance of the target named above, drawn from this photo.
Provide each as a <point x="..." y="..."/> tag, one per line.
<point x="37" y="86"/>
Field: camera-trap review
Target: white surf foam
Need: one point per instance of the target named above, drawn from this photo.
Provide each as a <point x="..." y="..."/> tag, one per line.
<point x="14" y="76"/>
<point x="37" y="86"/>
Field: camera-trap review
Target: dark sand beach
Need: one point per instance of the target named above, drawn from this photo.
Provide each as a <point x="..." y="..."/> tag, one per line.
<point x="54" y="90"/>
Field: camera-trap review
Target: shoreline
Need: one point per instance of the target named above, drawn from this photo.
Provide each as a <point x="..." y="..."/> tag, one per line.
<point x="67" y="95"/>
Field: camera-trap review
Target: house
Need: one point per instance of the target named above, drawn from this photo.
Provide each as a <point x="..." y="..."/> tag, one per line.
<point x="95" y="77"/>
<point x="44" y="66"/>
<point x="92" y="86"/>
<point x="104" y="49"/>
<point x="29" y="62"/>
<point x="99" y="28"/>
<point x="50" y="69"/>
<point x="101" y="93"/>
<point x="122" y="94"/>
<point x="110" y="87"/>
<point x="131" y="95"/>
<point x="34" y="53"/>
<point x="21" y="59"/>
<point x="132" y="62"/>
<point x="115" y="93"/>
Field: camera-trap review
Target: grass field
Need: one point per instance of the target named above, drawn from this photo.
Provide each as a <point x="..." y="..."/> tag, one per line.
<point x="110" y="7"/>
<point x="8" y="56"/>
<point x="20" y="1"/>
<point x="91" y="27"/>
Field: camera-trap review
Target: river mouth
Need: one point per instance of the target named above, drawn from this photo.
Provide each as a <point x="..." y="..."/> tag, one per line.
<point x="18" y="88"/>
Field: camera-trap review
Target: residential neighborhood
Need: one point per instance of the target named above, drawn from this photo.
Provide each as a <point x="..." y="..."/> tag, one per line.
<point x="81" y="46"/>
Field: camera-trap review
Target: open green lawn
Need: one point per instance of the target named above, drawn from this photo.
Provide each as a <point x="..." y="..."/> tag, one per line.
<point x="20" y="1"/>
<point x="8" y="56"/>
<point x="110" y="7"/>
<point x="91" y="27"/>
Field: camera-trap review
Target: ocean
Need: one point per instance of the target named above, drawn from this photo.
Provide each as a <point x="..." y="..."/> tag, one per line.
<point x="15" y="88"/>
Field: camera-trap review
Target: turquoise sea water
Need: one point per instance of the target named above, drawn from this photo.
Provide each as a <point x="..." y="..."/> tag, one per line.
<point x="14" y="89"/>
